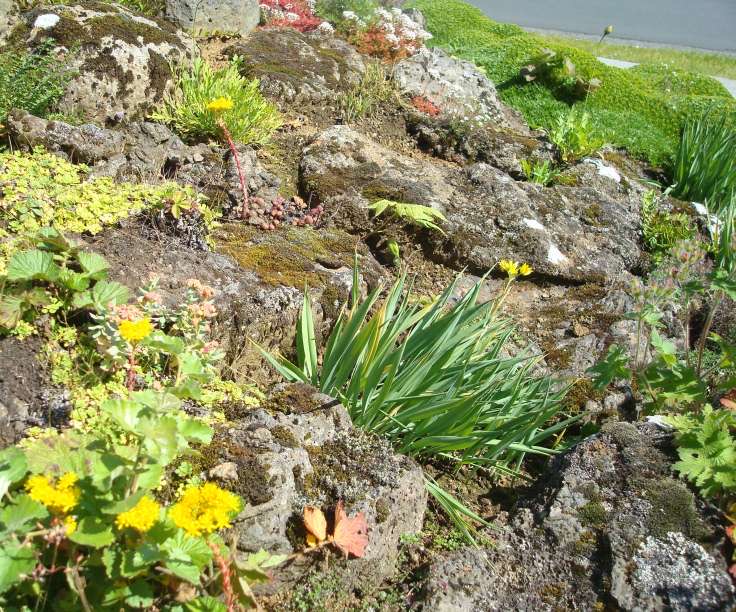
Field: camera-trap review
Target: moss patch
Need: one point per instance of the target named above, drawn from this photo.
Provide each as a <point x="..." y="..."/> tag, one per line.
<point x="673" y="509"/>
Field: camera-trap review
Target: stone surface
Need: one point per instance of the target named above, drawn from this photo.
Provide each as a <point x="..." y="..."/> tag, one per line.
<point x="299" y="68"/>
<point x="232" y="16"/>
<point x="123" y="60"/>
<point x="608" y="527"/>
<point x="7" y="17"/>
<point x="302" y="449"/>
<point x="456" y="86"/>
<point x="581" y="233"/>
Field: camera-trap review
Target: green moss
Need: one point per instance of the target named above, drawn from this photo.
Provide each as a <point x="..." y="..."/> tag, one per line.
<point x="295" y="399"/>
<point x="287" y="256"/>
<point x="593" y="514"/>
<point x="673" y="509"/>
<point x="284" y="437"/>
<point x="642" y="110"/>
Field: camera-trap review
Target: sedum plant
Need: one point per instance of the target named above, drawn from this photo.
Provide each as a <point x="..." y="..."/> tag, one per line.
<point x="250" y="118"/>
<point x="433" y="379"/>
<point x="540" y="172"/>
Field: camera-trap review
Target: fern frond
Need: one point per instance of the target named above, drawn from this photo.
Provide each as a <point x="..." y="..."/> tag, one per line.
<point x="416" y="214"/>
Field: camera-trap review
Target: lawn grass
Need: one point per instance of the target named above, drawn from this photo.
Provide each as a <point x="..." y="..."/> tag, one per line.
<point x="641" y="109"/>
<point x="713" y="64"/>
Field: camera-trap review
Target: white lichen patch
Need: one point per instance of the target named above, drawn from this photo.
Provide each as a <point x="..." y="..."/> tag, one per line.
<point x="46" y="21"/>
<point x="534" y="224"/>
<point x="555" y="256"/>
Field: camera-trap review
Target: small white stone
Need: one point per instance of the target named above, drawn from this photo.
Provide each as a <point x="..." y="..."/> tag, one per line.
<point x="534" y="224"/>
<point x="700" y="209"/>
<point x="49" y="20"/>
<point x="555" y="256"/>
<point x="609" y="172"/>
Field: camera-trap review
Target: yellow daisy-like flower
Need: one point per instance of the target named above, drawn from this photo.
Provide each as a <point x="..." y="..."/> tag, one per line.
<point x="59" y="498"/>
<point x="202" y="510"/>
<point x="140" y="517"/>
<point x="135" y="331"/>
<point x="219" y="105"/>
<point x="70" y="525"/>
<point x="510" y="267"/>
<point x="525" y="269"/>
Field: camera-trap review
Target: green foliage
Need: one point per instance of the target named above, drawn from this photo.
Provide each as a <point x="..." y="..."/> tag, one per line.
<point x="575" y="136"/>
<point x="662" y="230"/>
<point x="539" y="172"/>
<point x="332" y="10"/>
<point x="415" y="214"/>
<point x="375" y="88"/>
<point x="41" y="190"/>
<point x="251" y="120"/>
<point x="704" y="168"/>
<point x="152" y="8"/>
<point x="433" y="379"/>
<point x="637" y="110"/>
<point x="31" y="81"/>
<point x="706" y="445"/>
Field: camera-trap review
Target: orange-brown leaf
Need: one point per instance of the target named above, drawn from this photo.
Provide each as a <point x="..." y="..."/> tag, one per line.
<point x="316" y="523"/>
<point x="351" y="534"/>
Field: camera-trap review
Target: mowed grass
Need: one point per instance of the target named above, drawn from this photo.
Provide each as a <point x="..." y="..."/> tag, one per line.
<point x="642" y="109"/>
<point x="713" y="64"/>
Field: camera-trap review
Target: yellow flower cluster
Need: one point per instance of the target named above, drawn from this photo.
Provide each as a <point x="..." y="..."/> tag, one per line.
<point x="514" y="269"/>
<point x="140" y="517"/>
<point x="219" y="105"/>
<point x="70" y="525"/>
<point x="135" y="331"/>
<point x="202" y="510"/>
<point x="59" y="498"/>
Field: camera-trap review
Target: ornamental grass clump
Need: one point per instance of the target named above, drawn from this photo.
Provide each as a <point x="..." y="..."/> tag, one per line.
<point x="435" y="379"/>
<point x="704" y="167"/>
<point x="238" y="104"/>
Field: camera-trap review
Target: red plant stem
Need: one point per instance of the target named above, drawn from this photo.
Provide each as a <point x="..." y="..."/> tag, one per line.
<point x="227" y="586"/>
<point x="234" y="151"/>
<point x="131" y="369"/>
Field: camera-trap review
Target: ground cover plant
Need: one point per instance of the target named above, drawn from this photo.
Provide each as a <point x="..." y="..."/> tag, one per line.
<point x="250" y="118"/>
<point x="433" y="379"/>
<point x="642" y="109"/>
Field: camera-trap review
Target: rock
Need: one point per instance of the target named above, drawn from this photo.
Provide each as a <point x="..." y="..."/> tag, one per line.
<point x="579" y="233"/>
<point x="124" y="61"/>
<point x="304" y="450"/>
<point x="225" y="471"/>
<point x="608" y="526"/>
<point x="298" y="68"/>
<point x="232" y="16"/>
<point x="8" y="17"/>
<point x="457" y="87"/>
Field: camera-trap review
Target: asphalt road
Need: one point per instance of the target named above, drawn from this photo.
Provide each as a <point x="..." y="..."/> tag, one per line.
<point x="702" y="24"/>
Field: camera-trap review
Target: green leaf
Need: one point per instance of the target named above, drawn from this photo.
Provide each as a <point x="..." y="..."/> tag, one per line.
<point x="22" y="512"/>
<point x="108" y="292"/>
<point x="162" y="342"/>
<point x="94" y="532"/>
<point x="11" y="310"/>
<point x="95" y="266"/>
<point x="194" y="430"/>
<point x="141" y="595"/>
<point x="74" y="281"/>
<point x="610" y="368"/>
<point x="32" y="265"/>
<point x="13" y="467"/>
<point x="205" y="604"/>
<point x="186" y="556"/>
<point x="126" y="413"/>
<point x="15" y="562"/>
<point x="416" y="214"/>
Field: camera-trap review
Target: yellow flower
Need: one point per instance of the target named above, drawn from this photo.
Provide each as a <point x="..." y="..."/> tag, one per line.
<point x="135" y="331"/>
<point x="202" y="510"/>
<point x="70" y="525"/>
<point x="218" y="105"/>
<point x="140" y="517"/>
<point x="59" y="498"/>
<point x="510" y="267"/>
<point x="525" y="269"/>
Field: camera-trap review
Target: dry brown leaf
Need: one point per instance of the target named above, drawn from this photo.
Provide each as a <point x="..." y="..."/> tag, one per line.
<point x="316" y="524"/>
<point x="351" y="534"/>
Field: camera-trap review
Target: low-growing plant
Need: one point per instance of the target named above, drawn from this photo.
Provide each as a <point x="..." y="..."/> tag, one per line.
<point x="32" y="81"/>
<point x="295" y="14"/>
<point x="558" y="72"/>
<point x="375" y="88"/>
<point x="433" y="379"/>
<point x="704" y="167"/>
<point x="250" y="119"/>
<point x="574" y="135"/>
<point x="662" y="229"/>
<point x="541" y="172"/>
<point x="335" y="10"/>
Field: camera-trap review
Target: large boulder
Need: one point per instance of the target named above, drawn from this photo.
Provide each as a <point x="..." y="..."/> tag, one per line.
<point x="584" y="232"/>
<point x="232" y="16"/>
<point x="457" y="87"/>
<point x="299" y="68"/>
<point x="123" y="61"/>
<point x="610" y="527"/>
<point x="303" y="450"/>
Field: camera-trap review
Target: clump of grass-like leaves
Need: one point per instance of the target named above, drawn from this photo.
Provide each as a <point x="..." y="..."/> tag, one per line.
<point x="251" y="120"/>
<point x="704" y="168"/>
<point x="434" y="379"/>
